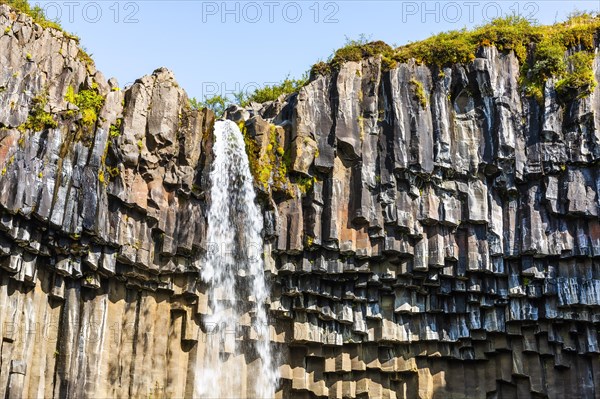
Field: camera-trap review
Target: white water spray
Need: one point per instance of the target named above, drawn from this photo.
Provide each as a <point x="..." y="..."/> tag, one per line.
<point x="233" y="269"/>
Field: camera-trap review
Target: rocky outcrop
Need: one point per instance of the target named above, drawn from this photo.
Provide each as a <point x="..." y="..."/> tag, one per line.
<point x="449" y="239"/>
<point x="429" y="233"/>
<point x="101" y="226"/>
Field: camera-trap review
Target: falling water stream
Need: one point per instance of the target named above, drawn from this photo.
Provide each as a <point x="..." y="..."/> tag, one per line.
<point x="233" y="270"/>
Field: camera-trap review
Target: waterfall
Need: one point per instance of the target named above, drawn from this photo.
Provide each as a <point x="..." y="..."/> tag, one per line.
<point x="233" y="270"/>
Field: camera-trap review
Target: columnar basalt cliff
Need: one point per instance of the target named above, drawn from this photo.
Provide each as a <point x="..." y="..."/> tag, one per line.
<point x="428" y="232"/>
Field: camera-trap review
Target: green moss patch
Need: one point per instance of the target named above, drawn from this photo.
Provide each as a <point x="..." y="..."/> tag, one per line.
<point x="115" y="129"/>
<point x="419" y="91"/>
<point x="578" y="81"/>
<point x="272" y="92"/>
<point x="541" y="49"/>
<point x="271" y="169"/>
<point x="89" y="102"/>
<point x="39" y="119"/>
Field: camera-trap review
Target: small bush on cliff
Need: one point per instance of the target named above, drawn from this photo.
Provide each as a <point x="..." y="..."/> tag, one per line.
<point x="579" y="80"/>
<point x="217" y="104"/>
<point x="321" y="68"/>
<point x="115" y="129"/>
<point x="419" y="91"/>
<point x="548" y="58"/>
<point x="39" y="119"/>
<point x="89" y="102"/>
<point x="272" y="92"/>
<point x="510" y="33"/>
<point x="356" y="50"/>
<point x="442" y="49"/>
<point x="578" y="31"/>
<point x="506" y="34"/>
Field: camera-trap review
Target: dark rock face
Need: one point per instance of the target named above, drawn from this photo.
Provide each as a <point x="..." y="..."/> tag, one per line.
<point x="446" y="243"/>
<point x="452" y="242"/>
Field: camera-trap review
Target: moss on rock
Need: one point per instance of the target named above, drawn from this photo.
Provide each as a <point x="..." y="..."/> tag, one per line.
<point x="541" y="49"/>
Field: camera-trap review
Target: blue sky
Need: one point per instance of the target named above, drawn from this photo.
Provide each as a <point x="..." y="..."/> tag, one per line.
<point x="221" y="47"/>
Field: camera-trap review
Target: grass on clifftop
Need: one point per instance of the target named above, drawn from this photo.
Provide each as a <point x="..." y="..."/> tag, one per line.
<point x="541" y="49"/>
<point x="459" y="46"/>
<point x="38" y="16"/>
<point x="35" y="12"/>
<point x="218" y="103"/>
<point x="271" y="92"/>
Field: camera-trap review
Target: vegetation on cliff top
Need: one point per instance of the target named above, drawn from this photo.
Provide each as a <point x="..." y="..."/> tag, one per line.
<point x="460" y="46"/>
<point x="218" y="103"/>
<point x="541" y="49"/>
<point x="35" y="12"/>
<point x="272" y="92"/>
<point x="38" y="16"/>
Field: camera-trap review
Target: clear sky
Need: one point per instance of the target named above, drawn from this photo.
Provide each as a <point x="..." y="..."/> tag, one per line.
<point x="221" y="47"/>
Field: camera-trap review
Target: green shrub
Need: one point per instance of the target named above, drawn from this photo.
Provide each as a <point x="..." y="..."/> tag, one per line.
<point x="71" y="96"/>
<point x="305" y="183"/>
<point x="510" y="33"/>
<point x="90" y="99"/>
<point x="419" y="92"/>
<point x="579" y="31"/>
<point x="579" y="80"/>
<point x="115" y="129"/>
<point x="548" y="60"/>
<point x="460" y="46"/>
<point x="440" y="50"/>
<point x="356" y="50"/>
<point x="89" y="102"/>
<point x="39" y="119"/>
<point x="216" y="103"/>
<point x="84" y="57"/>
<point x="272" y="92"/>
<point x="320" y="69"/>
